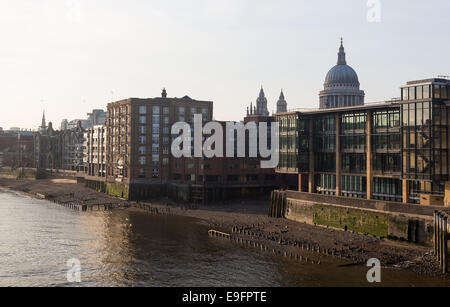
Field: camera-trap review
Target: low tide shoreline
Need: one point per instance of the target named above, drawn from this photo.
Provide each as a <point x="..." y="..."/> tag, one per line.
<point x="250" y="220"/>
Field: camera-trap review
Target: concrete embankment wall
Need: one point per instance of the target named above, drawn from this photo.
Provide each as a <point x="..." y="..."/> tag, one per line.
<point x="412" y="223"/>
<point x="25" y="173"/>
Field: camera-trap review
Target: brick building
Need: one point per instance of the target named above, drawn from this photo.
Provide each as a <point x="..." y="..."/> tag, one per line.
<point x="16" y="149"/>
<point x="138" y="159"/>
<point x="220" y="178"/>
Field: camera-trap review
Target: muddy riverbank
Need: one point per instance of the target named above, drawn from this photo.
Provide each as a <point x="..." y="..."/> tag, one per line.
<point x="251" y="220"/>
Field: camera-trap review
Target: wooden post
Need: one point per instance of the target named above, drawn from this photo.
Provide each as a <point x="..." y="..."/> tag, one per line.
<point x="435" y="232"/>
<point x="438" y="228"/>
<point x="445" y="246"/>
<point x="441" y="241"/>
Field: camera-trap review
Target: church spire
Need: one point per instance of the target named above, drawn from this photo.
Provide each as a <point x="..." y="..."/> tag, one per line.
<point x="43" y="124"/>
<point x="341" y="54"/>
<point x="281" y="104"/>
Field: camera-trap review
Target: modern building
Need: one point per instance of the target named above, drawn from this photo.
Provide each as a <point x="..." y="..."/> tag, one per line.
<point x="138" y="159"/>
<point x="394" y="151"/>
<point x="95" y="118"/>
<point x="95" y="151"/>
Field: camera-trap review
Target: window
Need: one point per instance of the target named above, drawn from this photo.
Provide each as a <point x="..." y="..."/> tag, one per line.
<point x="436" y="92"/>
<point x="142" y="160"/>
<point x="405" y="94"/>
<point x="142" y="150"/>
<point x="142" y="119"/>
<point x="419" y="92"/>
<point x="354" y="163"/>
<point x="412" y="93"/>
<point x="155" y="139"/>
<point x="155" y="119"/>
<point x="156" y="110"/>
<point x="444" y="92"/>
<point x="326" y="184"/>
<point x="166" y="111"/>
<point x="142" y="110"/>
<point x="426" y="92"/>
<point x="354" y="186"/>
<point x="142" y="172"/>
<point x="181" y="110"/>
<point x="142" y="140"/>
<point x="155" y="159"/>
<point x="142" y="129"/>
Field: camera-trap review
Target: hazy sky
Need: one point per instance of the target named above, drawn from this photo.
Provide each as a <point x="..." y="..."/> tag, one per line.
<point x="69" y="57"/>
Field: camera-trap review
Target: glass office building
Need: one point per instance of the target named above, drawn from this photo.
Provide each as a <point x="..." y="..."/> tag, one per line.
<point x="393" y="151"/>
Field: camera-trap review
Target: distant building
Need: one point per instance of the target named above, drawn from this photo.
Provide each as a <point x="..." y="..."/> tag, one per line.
<point x="62" y="149"/>
<point x="48" y="149"/>
<point x="16" y="149"/>
<point x="43" y="127"/>
<point x="64" y="124"/>
<point x="341" y="87"/>
<point x="281" y="104"/>
<point x="95" y="151"/>
<point x="260" y="108"/>
<point x="96" y="118"/>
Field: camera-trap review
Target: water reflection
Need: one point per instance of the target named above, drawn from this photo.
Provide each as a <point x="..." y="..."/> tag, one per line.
<point x="125" y="248"/>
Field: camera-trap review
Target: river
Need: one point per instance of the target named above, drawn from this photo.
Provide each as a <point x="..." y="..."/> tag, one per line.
<point x="129" y="248"/>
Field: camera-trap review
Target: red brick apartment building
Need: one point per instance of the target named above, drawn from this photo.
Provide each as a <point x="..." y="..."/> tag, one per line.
<point x="221" y="178"/>
<point x="138" y="143"/>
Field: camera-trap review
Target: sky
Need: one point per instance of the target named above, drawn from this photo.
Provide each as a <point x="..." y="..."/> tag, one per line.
<point x="71" y="56"/>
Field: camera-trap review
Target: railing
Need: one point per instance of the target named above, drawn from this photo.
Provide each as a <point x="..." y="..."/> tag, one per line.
<point x="441" y="230"/>
<point x="392" y="101"/>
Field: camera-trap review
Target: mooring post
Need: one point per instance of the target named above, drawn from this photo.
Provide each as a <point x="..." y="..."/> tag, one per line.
<point x="435" y="232"/>
<point x="438" y="228"/>
<point x="441" y="239"/>
<point x="445" y="245"/>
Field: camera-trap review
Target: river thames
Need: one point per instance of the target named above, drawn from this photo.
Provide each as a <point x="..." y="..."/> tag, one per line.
<point x="130" y="248"/>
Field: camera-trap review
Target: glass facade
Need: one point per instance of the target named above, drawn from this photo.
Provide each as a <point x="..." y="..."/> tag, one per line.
<point x="388" y="189"/>
<point x="326" y="184"/>
<point x="425" y="141"/>
<point x="408" y="139"/>
<point x="354" y="186"/>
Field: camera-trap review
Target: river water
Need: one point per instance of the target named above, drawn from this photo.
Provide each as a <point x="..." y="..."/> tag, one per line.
<point x="127" y="248"/>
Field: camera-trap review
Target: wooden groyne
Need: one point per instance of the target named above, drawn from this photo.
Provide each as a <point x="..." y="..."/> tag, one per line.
<point x="295" y="251"/>
<point x="81" y="206"/>
<point x="278" y="202"/>
<point x="441" y="231"/>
